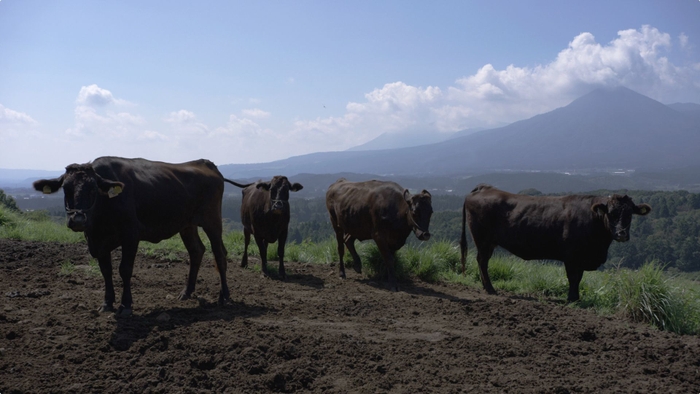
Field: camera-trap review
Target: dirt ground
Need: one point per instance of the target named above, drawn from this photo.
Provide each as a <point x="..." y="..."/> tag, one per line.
<point x="312" y="333"/>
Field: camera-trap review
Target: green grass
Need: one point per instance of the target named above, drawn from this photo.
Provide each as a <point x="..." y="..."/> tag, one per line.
<point x="35" y="226"/>
<point x="67" y="268"/>
<point x="648" y="295"/>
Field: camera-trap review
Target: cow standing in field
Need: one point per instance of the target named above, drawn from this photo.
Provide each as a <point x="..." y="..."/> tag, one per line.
<point x="265" y="214"/>
<point x="576" y="230"/>
<point x="378" y="210"/>
<point x="119" y="202"/>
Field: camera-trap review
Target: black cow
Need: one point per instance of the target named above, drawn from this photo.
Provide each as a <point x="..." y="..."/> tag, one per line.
<point x="265" y="214"/>
<point x="378" y="210"/>
<point x="574" y="229"/>
<point x="119" y="202"/>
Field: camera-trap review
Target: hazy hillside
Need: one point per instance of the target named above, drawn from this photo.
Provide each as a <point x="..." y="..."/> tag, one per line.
<point x="605" y="129"/>
<point x="402" y="140"/>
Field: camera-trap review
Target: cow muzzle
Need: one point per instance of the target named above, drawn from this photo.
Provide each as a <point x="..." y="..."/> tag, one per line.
<point x="77" y="221"/>
<point x="277" y="206"/>
<point x="621" y="236"/>
<point x="422" y="235"/>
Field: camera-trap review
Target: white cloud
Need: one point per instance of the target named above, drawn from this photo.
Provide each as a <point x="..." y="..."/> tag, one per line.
<point x="9" y="116"/>
<point x="255" y="113"/>
<point x="94" y="116"/>
<point x="683" y="40"/>
<point x="89" y="122"/>
<point x="151" y="135"/>
<point x="184" y="121"/>
<point x="242" y="128"/>
<point x="95" y="96"/>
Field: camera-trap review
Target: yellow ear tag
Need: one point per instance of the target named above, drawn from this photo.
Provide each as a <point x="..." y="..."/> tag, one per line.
<point x="47" y="189"/>
<point x="114" y="191"/>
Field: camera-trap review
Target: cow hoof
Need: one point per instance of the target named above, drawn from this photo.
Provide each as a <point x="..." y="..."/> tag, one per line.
<point x="223" y="301"/>
<point x="357" y="268"/>
<point x="342" y="275"/>
<point x="105" y="308"/>
<point x="123" y="312"/>
<point x="244" y="263"/>
<point x="184" y="296"/>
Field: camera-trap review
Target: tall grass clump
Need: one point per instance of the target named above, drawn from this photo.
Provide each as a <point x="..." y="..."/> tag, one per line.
<point x="649" y="295"/>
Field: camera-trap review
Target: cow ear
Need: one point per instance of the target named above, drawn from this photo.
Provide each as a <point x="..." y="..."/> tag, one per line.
<point x="263" y="185"/>
<point x="48" y="186"/>
<point x="642" y="209"/>
<point x="296" y="187"/>
<point x="600" y="208"/>
<point x="407" y="196"/>
<point x="110" y="188"/>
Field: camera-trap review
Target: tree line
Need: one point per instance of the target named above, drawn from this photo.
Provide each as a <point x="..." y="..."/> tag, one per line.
<point x="670" y="234"/>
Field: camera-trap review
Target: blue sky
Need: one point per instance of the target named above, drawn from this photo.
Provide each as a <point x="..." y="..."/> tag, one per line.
<point x="241" y="82"/>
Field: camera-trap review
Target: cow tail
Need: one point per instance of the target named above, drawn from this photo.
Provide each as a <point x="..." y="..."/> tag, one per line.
<point x="463" y="239"/>
<point x="238" y="184"/>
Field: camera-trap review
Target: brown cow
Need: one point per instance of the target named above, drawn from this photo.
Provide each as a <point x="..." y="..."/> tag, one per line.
<point x="574" y="229"/>
<point x="378" y="210"/>
<point x="265" y="214"/>
<point x="119" y="202"/>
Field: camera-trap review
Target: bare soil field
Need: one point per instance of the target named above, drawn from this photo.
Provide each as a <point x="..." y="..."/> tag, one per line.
<point x="311" y="333"/>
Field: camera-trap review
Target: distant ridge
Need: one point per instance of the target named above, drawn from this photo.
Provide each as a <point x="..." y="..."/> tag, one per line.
<point x="604" y="129"/>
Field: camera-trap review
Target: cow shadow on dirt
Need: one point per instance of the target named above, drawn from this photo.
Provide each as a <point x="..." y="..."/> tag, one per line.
<point x="295" y="274"/>
<point x="409" y="286"/>
<point x="306" y="280"/>
<point x="129" y="330"/>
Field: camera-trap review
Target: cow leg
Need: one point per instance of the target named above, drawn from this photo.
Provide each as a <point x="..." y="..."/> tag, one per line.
<point x="195" y="248"/>
<point x="246" y="241"/>
<point x="262" y="246"/>
<point x="219" y="250"/>
<point x="574" y="273"/>
<point x="357" y="263"/>
<point x="482" y="257"/>
<point x="105" y="262"/>
<point x="281" y="241"/>
<point x="389" y="260"/>
<point x="341" y="253"/>
<point x="126" y="269"/>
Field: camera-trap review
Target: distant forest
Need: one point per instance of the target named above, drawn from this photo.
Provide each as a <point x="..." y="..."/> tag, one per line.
<point x="670" y="234"/>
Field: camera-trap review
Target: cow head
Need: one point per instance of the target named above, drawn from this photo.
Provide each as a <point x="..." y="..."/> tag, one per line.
<point x="420" y="209"/>
<point x="279" y="188"/>
<point x="81" y="187"/>
<point x="617" y="215"/>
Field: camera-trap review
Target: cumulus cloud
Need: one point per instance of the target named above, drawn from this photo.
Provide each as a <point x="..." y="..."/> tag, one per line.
<point x="9" y="116"/>
<point x="184" y="121"/>
<point x="89" y="122"/>
<point x="255" y="113"/>
<point x="243" y="129"/>
<point x="94" y="95"/>
<point x="490" y="97"/>
<point x="683" y="40"/>
<point x="94" y="115"/>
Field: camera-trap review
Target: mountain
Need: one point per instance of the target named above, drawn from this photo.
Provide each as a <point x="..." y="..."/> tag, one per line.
<point x="402" y="140"/>
<point x="690" y="109"/>
<point x="604" y="129"/>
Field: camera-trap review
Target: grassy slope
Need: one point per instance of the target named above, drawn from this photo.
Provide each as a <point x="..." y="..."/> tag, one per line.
<point x="648" y="294"/>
